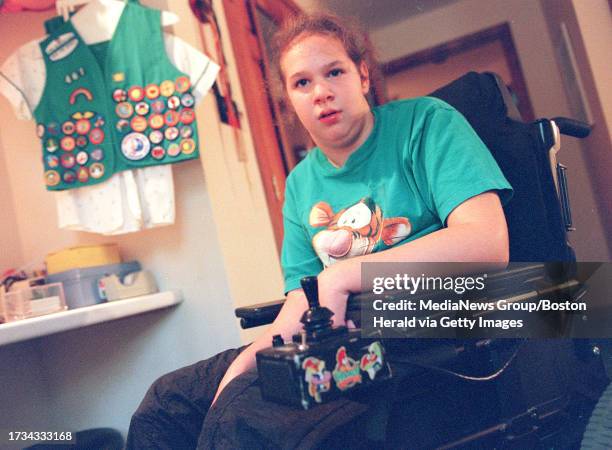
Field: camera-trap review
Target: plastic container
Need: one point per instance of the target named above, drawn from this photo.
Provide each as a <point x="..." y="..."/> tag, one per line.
<point x="82" y="287"/>
<point x="34" y="301"/>
<point x="15" y="286"/>
<point x="82" y="257"/>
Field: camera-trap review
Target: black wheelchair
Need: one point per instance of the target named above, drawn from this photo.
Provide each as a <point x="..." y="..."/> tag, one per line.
<point x="499" y="393"/>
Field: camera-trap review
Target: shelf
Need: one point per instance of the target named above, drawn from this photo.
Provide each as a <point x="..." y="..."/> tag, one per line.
<point x="81" y="317"/>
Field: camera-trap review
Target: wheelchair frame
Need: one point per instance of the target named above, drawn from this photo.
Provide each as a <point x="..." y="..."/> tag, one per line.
<point x="531" y="420"/>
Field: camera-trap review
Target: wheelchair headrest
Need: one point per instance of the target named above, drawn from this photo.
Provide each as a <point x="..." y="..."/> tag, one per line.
<point x="481" y="97"/>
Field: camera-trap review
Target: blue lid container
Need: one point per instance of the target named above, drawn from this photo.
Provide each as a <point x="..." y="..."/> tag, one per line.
<point x="82" y="287"/>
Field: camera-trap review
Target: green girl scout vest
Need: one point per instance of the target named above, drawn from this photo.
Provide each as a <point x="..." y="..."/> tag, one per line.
<point x="112" y="106"/>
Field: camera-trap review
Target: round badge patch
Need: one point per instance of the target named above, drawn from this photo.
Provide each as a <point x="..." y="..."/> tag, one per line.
<point x="83" y="174"/>
<point x="83" y="126"/>
<point x="69" y="176"/>
<point x="96" y="136"/>
<point x="82" y="158"/>
<point x="158" y="106"/>
<point x="156" y="136"/>
<point x="156" y="121"/>
<point x="182" y="84"/>
<point x="187" y="116"/>
<point x="166" y="88"/>
<point x="136" y="93"/>
<point x="152" y="91"/>
<point x="68" y="127"/>
<point x="186" y="132"/>
<point x="174" y="149"/>
<point x="142" y="108"/>
<point x="171" y="133"/>
<point x="97" y="154"/>
<point x="171" y="118"/>
<point x="158" y="152"/>
<point x="188" y="146"/>
<point x="139" y="124"/>
<point x="135" y="146"/>
<point x="119" y="95"/>
<point x="174" y="102"/>
<point x="52" y="161"/>
<point x="52" y="178"/>
<point x="96" y="170"/>
<point x="67" y="160"/>
<point x="51" y="145"/>
<point x="124" y="110"/>
<point x="67" y="143"/>
<point x="187" y="100"/>
<point x="123" y="126"/>
<point x="81" y="141"/>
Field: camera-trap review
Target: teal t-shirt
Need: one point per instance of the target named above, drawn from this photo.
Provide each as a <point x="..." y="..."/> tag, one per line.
<point x="421" y="160"/>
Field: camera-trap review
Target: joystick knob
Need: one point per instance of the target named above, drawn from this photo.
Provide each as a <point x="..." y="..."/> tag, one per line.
<point x="310" y="285"/>
<point x="316" y="318"/>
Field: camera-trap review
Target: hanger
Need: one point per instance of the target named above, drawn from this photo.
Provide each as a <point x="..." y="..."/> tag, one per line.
<point x="97" y="20"/>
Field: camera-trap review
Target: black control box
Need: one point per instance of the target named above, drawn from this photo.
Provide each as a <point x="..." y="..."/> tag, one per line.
<point x="321" y="363"/>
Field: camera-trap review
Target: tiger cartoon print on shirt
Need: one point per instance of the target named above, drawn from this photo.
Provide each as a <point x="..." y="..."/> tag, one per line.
<point x="354" y="231"/>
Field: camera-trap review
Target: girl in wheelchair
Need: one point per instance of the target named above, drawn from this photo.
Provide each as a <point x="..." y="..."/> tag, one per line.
<point x="406" y="181"/>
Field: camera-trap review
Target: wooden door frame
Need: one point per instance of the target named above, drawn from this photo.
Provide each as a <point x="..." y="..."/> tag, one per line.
<point x="244" y="38"/>
<point x="501" y="33"/>
<point x="277" y="12"/>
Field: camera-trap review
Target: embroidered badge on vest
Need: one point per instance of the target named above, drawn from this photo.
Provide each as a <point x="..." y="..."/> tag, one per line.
<point x="62" y="46"/>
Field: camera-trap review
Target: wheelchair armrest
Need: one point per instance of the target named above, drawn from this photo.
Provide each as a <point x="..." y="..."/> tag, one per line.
<point x="509" y="282"/>
<point x="259" y="314"/>
<point x="264" y="313"/>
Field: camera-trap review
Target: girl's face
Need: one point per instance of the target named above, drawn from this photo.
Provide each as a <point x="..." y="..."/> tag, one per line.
<point x="327" y="92"/>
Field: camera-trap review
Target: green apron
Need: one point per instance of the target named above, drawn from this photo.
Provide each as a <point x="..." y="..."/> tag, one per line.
<point x="112" y="106"/>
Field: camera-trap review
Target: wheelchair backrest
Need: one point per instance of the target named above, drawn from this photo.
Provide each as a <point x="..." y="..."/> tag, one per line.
<point x="534" y="218"/>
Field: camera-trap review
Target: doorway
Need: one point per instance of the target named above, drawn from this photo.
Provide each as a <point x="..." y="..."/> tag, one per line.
<point x="489" y="50"/>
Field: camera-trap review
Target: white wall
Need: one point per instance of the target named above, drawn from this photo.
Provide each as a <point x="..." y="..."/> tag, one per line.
<point x="595" y="21"/>
<point x="589" y="27"/>
<point x="544" y="85"/>
<point x="24" y="390"/>
<point x="237" y="197"/>
<point x="10" y="250"/>
<point x="96" y="376"/>
<point x="89" y="383"/>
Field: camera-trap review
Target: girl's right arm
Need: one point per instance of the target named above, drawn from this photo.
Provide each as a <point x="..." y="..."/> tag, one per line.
<point x="287" y="323"/>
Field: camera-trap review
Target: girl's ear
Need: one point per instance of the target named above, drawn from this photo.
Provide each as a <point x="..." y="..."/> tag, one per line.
<point x="364" y="73"/>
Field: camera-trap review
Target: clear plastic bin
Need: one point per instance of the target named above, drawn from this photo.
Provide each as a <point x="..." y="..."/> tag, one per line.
<point x="34" y="301"/>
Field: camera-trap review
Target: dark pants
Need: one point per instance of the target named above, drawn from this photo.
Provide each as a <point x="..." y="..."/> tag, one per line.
<point x="428" y="408"/>
<point x="172" y="412"/>
<point x="176" y="413"/>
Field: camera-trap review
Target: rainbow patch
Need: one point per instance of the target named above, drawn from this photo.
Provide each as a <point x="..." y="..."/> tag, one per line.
<point x="80" y="91"/>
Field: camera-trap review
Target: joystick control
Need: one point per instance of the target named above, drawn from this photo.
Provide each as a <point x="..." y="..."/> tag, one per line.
<point x="316" y="319"/>
<point x="322" y="362"/>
